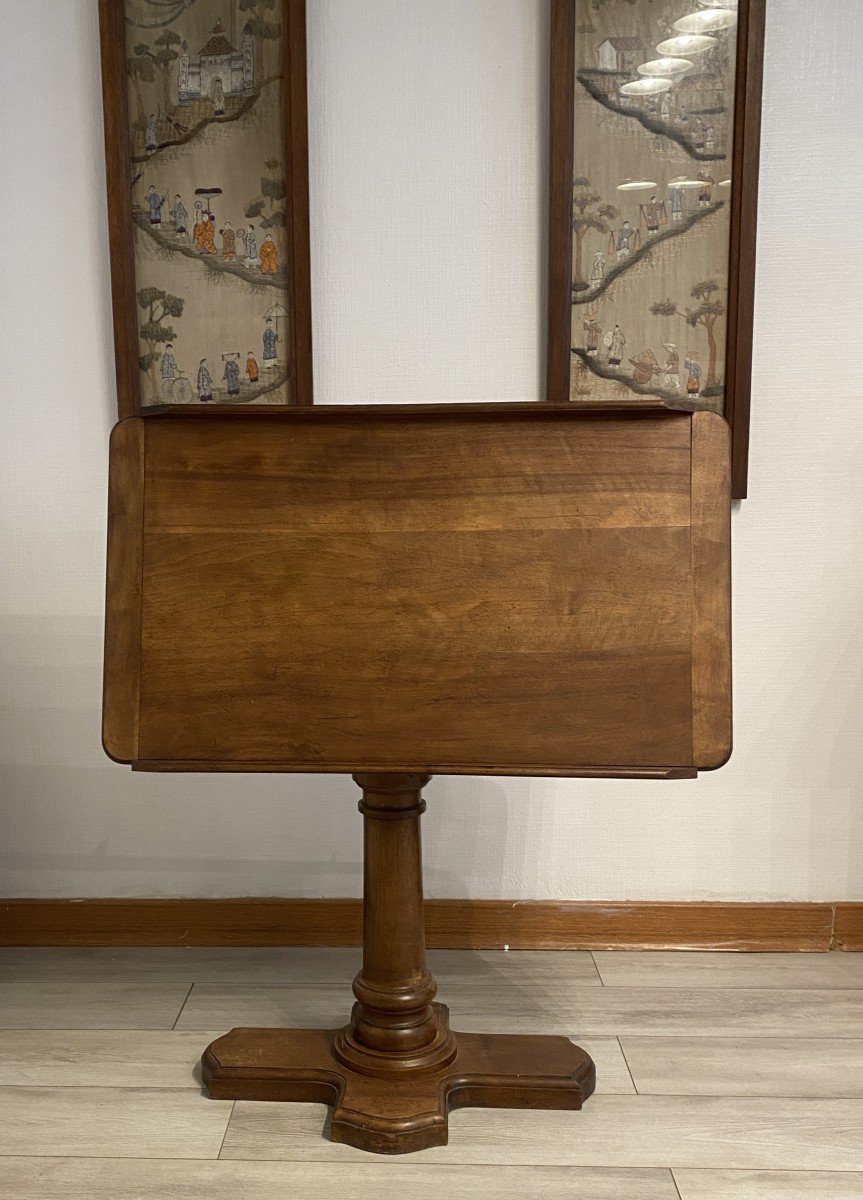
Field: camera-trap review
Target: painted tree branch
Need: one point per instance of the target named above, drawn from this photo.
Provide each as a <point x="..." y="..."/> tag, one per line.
<point x="212" y="262"/>
<point x="706" y="314"/>
<point x="651" y="123"/>
<point x="241" y="110"/>
<point x="588" y="295"/>
<point x="711" y="397"/>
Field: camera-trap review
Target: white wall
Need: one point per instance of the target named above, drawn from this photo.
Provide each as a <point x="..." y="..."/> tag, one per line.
<point x="428" y="194"/>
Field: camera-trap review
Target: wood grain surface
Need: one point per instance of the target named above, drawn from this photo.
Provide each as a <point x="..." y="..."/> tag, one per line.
<point x="122" y="670"/>
<point x="711" y="592"/>
<point x="297" y="199"/>
<point x="749" y="76"/>
<point x="519" y="924"/>
<point x="504" y="595"/>
<point x="118" y="159"/>
<point x="395" y="1072"/>
<point x="709" y="1107"/>
<point x="105" y="1179"/>
<point x="719" y="1132"/>
<point x="502" y="1007"/>
<point x="848" y="930"/>
<point x="680" y="1066"/>
<point x="111" y="1122"/>
<point x="560" y="165"/>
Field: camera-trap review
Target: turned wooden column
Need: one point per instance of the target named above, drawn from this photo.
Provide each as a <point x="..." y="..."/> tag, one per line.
<point x="393" y="1074"/>
<point x="395" y="1028"/>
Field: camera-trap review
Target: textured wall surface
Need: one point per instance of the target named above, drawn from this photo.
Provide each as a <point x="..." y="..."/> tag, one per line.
<point x="428" y="197"/>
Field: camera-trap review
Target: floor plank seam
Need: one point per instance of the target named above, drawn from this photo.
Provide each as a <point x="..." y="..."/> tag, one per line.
<point x="353" y="1165"/>
<point x="591" y="987"/>
<point x="596" y="968"/>
<point x="111" y="1087"/>
<point x="403" y="1162"/>
<point x="183" y="1005"/>
<point x="628" y="1067"/>
<point x="601" y="1165"/>
<point x="122" y="1158"/>
<point x="218" y="1157"/>
<point x="640" y="1095"/>
<point x="662" y="1035"/>
<point x="766" y="1170"/>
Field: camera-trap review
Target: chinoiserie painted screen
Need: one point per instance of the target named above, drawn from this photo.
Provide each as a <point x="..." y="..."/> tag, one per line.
<point x="211" y="252"/>
<point x="652" y="168"/>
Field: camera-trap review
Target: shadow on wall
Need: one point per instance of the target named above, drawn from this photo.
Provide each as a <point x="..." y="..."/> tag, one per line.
<point x="475" y="828"/>
<point x="148" y="835"/>
<point x="468" y="823"/>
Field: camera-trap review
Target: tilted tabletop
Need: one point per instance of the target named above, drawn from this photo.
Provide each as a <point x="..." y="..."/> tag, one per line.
<point x="528" y="590"/>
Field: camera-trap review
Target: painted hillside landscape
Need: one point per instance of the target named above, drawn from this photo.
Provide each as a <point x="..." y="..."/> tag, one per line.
<point x="208" y="191"/>
<point x="654" y="118"/>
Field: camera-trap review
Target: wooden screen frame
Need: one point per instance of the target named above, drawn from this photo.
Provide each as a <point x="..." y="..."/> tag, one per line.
<point x="120" y="223"/>
<point x="744" y="219"/>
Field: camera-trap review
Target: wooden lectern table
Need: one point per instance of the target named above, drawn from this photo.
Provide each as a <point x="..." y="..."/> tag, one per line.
<point x="399" y="592"/>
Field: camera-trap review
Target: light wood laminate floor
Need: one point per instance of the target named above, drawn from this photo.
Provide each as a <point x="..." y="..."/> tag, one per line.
<point x="720" y="1077"/>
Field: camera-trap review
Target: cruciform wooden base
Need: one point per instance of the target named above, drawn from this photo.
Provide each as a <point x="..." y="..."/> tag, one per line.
<point x="393" y="1074"/>
<point x="395" y="1116"/>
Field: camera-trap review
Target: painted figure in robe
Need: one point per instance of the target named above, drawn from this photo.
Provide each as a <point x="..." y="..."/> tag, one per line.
<point x="615" y="341"/>
<point x="204" y="234"/>
<point x="593" y="333"/>
<point x="268" y="256"/>
<point x="204" y="382"/>
<point x="229" y="242"/>
<point x="180" y="217"/>
<point x="232" y="376"/>
<point x="626" y="240"/>
<point x="693" y="382"/>
<point x="675" y="197"/>
<point x="168" y="369"/>
<point x="271" y="339"/>
<point x="705" y="192"/>
<point x="671" y="370"/>
<point x="155" y="202"/>
<point x="597" y="271"/>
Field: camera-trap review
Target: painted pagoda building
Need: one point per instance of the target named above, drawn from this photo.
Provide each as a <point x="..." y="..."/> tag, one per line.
<point x="219" y="68"/>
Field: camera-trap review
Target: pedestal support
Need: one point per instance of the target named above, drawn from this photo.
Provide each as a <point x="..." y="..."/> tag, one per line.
<point x="394" y="1026"/>
<point x="396" y="1070"/>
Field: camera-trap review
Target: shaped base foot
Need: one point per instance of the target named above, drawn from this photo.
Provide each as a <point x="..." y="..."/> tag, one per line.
<point x="405" y="1111"/>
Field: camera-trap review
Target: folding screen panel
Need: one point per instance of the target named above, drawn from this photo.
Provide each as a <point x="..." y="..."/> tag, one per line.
<point x="655" y="112"/>
<point x="206" y="145"/>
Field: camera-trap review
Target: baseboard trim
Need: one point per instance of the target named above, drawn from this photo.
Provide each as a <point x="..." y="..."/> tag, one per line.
<point x="848" y="927"/>
<point x="464" y="924"/>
